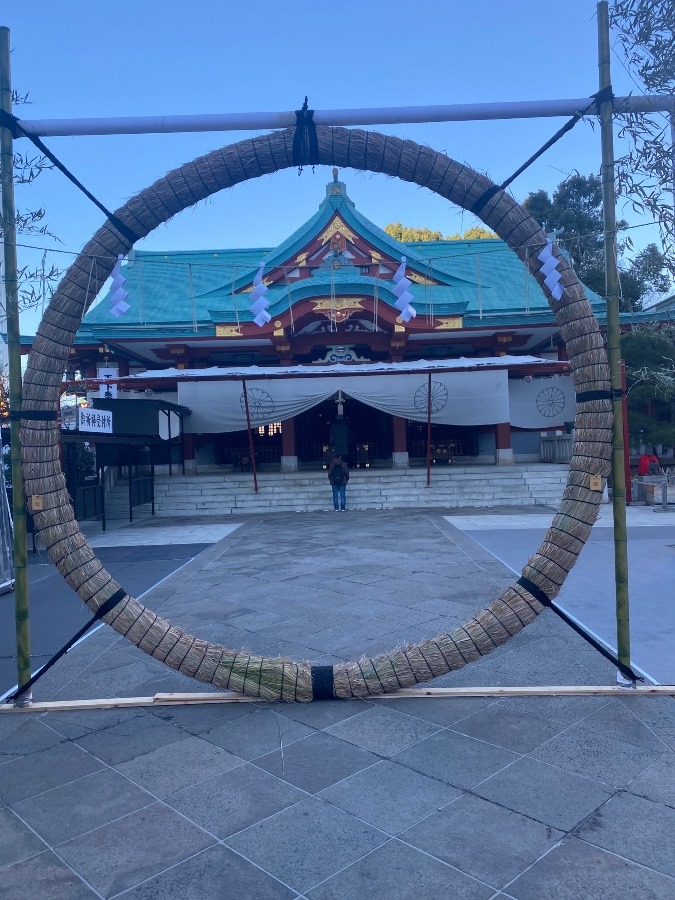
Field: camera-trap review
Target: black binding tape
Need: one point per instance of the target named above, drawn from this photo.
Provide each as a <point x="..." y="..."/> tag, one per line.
<point x="585" y="396"/>
<point x="35" y="415"/>
<point x="322" y="683"/>
<point x="539" y="595"/>
<point x="103" y="610"/>
<point x="305" y="141"/>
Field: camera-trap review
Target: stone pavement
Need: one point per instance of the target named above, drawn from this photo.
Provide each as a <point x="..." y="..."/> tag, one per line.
<point x="396" y="798"/>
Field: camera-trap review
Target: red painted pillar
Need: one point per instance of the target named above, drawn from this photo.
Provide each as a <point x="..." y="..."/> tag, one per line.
<point x="504" y="453"/>
<point x="400" y="457"/>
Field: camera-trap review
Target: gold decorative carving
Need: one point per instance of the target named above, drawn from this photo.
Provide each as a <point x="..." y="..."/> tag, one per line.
<point x="338" y="310"/>
<point x="420" y="279"/>
<point x="398" y="325"/>
<point x="337" y="226"/>
<point x="375" y="256"/>
<point x="446" y="323"/>
<point x="228" y="331"/>
<point x="301" y="259"/>
<point x="278" y="332"/>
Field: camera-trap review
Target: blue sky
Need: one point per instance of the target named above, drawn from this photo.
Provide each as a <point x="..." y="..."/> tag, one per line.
<point x="89" y="59"/>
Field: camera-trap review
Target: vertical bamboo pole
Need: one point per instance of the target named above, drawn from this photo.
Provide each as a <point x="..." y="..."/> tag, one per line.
<point x="14" y="357"/>
<point x="613" y="344"/>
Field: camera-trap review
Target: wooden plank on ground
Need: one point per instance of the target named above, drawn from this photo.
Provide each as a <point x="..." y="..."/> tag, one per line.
<point x="175" y="699"/>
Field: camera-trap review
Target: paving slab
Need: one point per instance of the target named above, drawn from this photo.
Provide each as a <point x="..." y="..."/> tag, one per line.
<point x="524" y="797"/>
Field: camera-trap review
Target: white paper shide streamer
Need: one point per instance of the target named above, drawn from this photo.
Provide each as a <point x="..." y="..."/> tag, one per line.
<point x="259" y="301"/>
<point x="118" y="298"/>
<point x="401" y="285"/>
<point x="549" y="270"/>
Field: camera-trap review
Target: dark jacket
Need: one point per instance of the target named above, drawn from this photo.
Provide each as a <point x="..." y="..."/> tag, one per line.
<point x="336" y="463"/>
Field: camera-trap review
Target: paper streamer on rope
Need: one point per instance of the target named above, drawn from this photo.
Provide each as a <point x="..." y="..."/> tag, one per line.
<point x="259" y="301"/>
<point x="549" y="270"/>
<point x="118" y="298"/>
<point x="401" y="285"/>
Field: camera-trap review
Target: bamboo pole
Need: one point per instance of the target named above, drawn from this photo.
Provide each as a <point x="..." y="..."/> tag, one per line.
<point x="14" y="357"/>
<point x="613" y="341"/>
<point x="392" y="115"/>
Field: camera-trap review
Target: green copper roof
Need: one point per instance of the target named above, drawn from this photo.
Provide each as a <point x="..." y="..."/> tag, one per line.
<point x="183" y="293"/>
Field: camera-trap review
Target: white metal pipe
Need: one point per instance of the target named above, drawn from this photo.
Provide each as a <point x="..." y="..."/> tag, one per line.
<point x="261" y="121"/>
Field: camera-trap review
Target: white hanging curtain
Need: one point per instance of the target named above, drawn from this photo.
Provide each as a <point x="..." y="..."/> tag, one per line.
<point x="457" y="398"/>
<point x="542" y="402"/>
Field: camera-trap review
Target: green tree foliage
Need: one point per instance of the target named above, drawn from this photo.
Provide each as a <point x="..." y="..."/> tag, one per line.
<point x="574" y="213"/>
<point x="643" y="31"/>
<point x="408" y="235"/>
<point x="649" y="354"/>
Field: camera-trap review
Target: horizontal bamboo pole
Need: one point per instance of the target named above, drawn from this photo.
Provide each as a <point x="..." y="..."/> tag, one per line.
<point x="495" y="693"/>
<point x="392" y="115"/>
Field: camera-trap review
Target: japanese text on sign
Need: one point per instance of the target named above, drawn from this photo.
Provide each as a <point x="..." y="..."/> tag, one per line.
<point x="98" y="420"/>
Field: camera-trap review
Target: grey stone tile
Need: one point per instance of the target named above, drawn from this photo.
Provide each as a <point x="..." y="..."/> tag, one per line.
<point x="512" y="730"/>
<point x="657" y="782"/>
<point x="575" y="870"/>
<point x="316" y="762"/>
<point x="17" y="842"/>
<point x="233" y="800"/>
<point x="257" y="734"/>
<point x="46" y="769"/>
<point x="595" y="756"/>
<point x="616" y="720"/>
<point x="76" y="724"/>
<point x="442" y="711"/>
<point x="28" y="736"/>
<point x="306" y="843"/>
<point x="654" y="712"/>
<point x="177" y="765"/>
<point x="43" y="876"/>
<point x="455" y="759"/>
<point x="91" y="801"/>
<point x="388" y="796"/>
<point x="484" y="840"/>
<point x="566" y="710"/>
<point x="639" y="829"/>
<point x="196" y="718"/>
<point x="321" y="713"/>
<point x="399" y="872"/>
<point x="131" y="738"/>
<point x="383" y="730"/>
<point x="120" y="855"/>
<point x="550" y="795"/>
<point x="214" y="874"/>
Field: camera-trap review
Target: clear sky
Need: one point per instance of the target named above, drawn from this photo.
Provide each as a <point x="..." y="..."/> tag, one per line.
<point x="92" y="59"/>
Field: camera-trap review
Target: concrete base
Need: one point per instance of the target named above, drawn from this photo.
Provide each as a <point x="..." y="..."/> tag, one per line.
<point x="400" y="459"/>
<point x="289" y="463"/>
<point x="504" y="457"/>
<point x="190" y="467"/>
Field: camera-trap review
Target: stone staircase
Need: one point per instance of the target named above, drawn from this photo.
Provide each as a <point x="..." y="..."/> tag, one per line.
<point x="228" y="493"/>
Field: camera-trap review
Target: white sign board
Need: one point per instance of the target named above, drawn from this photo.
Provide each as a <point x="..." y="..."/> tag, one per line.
<point x="99" y="421"/>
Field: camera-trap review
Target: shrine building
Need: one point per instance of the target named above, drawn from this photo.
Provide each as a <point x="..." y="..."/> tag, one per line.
<point x="468" y="367"/>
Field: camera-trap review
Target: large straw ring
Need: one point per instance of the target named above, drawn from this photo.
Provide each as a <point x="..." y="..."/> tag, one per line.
<point x="281" y="679"/>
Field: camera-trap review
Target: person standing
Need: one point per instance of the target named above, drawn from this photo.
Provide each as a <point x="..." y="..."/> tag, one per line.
<point x="338" y="475"/>
<point x="648" y="463"/>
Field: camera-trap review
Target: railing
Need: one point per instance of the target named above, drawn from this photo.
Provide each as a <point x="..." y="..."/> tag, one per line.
<point x="556" y="448"/>
<point x="90" y="502"/>
<point x="141" y="490"/>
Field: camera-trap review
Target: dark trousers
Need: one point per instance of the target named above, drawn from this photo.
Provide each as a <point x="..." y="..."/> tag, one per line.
<point x="339" y="496"/>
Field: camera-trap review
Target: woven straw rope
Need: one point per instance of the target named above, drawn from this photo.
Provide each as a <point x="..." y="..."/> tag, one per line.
<point x="282" y="679"/>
